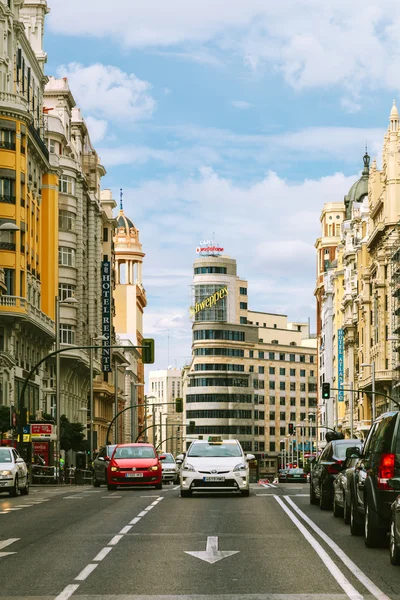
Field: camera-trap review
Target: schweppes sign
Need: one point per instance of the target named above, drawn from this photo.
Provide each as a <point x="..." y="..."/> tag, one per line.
<point x="209" y="302"/>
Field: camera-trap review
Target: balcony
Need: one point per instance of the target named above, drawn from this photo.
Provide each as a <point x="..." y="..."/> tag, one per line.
<point x="38" y="139"/>
<point x="13" y="100"/>
<point x="17" y="306"/>
<point x="7" y="145"/>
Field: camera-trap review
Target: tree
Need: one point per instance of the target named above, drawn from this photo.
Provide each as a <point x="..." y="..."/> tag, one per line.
<point x="5" y="424"/>
<point x="72" y="436"/>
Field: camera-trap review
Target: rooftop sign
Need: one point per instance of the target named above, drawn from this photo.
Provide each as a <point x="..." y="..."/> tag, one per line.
<point x="209" y="248"/>
<point x="209" y="302"/>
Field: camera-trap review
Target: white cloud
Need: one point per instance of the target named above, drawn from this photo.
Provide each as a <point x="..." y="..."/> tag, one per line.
<point x="106" y="92"/>
<point x="97" y="128"/>
<point x="241" y="104"/>
<point x="350" y="105"/>
<point x="323" y="44"/>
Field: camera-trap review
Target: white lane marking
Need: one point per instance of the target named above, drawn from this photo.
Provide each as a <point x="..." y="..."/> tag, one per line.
<point x="153" y="496"/>
<point x="115" y="540"/>
<point x="155" y="503"/>
<point x="211" y="553"/>
<point x="266" y="485"/>
<point x="67" y="592"/>
<point x="266" y="495"/>
<point x="72" y="497"/>
<point x="367" y="583"/>
<point x="4" y="512"/>
<point x="103" y="553"/>
<point x="301" y="495"/>
<point x="344" y="583"/>
<point x="86" y="572"/>
<point x="134" y="521"/>
<point x="149" y="508"/>
<point x="176" y="488"/>
<point x="272" y="485"/>
<point x="6" y="543"/>
<point x="160" y="498"/>
<point x="10" y="509"/>
<point x="142" y="514"/>
<point x="126" y="529"/>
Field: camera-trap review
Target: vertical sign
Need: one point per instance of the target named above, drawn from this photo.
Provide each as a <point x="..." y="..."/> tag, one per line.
<point x="340" y="365"/>
<point x="106" y="291"/>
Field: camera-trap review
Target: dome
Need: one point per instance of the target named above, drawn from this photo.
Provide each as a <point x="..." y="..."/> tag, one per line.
<point x="124" y="222"/>
<point x="359" y="189"/>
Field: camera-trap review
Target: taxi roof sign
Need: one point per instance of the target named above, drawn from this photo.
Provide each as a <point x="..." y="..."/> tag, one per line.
<point x="214" y="439"/>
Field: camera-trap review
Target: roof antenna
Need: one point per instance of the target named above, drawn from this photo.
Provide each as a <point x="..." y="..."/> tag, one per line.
<point x="120" y="199"/>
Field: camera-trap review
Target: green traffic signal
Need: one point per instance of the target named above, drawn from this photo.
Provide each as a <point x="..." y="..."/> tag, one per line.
<point x="148" y="351"/>
<point x="179" y="405"/>
<point x="326" y="391"/>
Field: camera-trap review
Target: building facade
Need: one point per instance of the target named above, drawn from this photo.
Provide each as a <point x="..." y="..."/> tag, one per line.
<point x="252" y="373"/>
<point x="164" y="387"/>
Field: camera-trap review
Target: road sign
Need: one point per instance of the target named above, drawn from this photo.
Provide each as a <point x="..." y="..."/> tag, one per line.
<point x="212" y="554"/>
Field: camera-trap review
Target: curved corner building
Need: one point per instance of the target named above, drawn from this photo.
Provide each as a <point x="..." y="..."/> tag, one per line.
<point x="219" y="393"/>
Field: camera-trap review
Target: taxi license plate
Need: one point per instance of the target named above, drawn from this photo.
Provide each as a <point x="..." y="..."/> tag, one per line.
<point x="297" y="475"/>
<point x="214" y="479"/>
<point x="133" y="474"/>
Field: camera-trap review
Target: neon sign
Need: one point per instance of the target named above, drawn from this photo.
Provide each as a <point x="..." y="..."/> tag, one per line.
<point x="209" y="248"/>
<point x="209" y="302"/>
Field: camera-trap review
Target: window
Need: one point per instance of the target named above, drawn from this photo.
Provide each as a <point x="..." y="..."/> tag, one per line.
<point x="219" y="382"/>
<point x="251" y="354"/>
<point x="66" y="185"/>
<point x="272" y="446"/>
<point x="218" y="367"/>
<point x="271" y="355"/>
<point x="293" y="416"/>
<point x="272" y="431"/>
<point x="243" y="306"/>
<point x="302" y="416"/>
<point x="235" y="398"/>
<point x="282" y="385"/>
<point x="292" y="401"/>
<point x="66" y="291"/>
<point x="272" y="385"/>
<point x="292" y="386"/>
<point x="282" y="401"/>
<point x="302" y="358"/>
<point x="219" y="334"/>
<point x="243" y="291"/>
<point x="272" y="400"/>
<point x="282" y="371"/>
<point x="292" y="372"/>
<point x="66" y="256"/>
<point x="10" y="281"/>
<point x="7" y="139"/>
<point x="260" y="354"/>
<point x="105" y="234"/>
<point x="292" y="357"/>
<point x="302" y="387"/>
<point x="66" y="220"/>
<point x="251" y="369"/>
<point x="282" y="416"/>
<point x="272" y="416"/>
<point x="243" y="320"/>
<point x="67" y="334"/>
<point x="271" y="370"/>
<point x="261" y="370"/>
<point x="311" y="373"/>
<point x="7" y="190"/>
<point x="302" y="372"/>
<point x="311" y="359"/>
<point x="218" y="352"/>
<point x="281" y="356"/>
<point x="205" y="270"/>
<point x="302" y="401"/>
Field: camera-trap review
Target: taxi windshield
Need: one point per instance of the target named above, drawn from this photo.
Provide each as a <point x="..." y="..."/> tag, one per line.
<point x="205" y="450"/>
<point x="5" y="455"/>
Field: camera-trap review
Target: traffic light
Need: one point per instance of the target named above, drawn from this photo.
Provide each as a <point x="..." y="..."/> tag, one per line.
<point x="148" y="351"/>
<point x="191" y="428"/>
<point x="179" y="405"/>
<point x="326" y="391"/>
<point x="291" y="428"/>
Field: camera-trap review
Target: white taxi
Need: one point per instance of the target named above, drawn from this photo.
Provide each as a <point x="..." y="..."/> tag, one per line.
<point x="14" y="475"/>
<point x="215" y="465"/>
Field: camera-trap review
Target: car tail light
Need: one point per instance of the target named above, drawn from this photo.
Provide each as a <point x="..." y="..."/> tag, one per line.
<point x="334" y="469"/>
<point x="385" y="471"/>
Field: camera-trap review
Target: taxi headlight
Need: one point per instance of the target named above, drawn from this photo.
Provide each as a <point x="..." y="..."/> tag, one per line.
<point x="240" y="467"/>
<point x="188" y="467"/>
<point x="114" y="469"/>
<point x="155" y="468"/>
<point x="6" y="473"/>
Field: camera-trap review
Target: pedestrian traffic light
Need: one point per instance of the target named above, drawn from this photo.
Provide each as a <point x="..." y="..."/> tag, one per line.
<point x="179" y="405"/>
<point x="291" y="428"/>
<point x="326" y="391"/>
<point x="191" y="428"/>
<point x="148" y="351"/>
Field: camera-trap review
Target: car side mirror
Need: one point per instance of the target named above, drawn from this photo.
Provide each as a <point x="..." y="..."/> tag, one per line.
<point x="19" y="460"/>
<point x="250" y="457"/>
<point x="178" y="461"/>
<point x="180" y="457"/>
<point x="353" y="452"/>
<point x="107" y="458"/>
<point x="395" y="483"/>
<point x="100" y="458"/>
<point x="162" y="457"/>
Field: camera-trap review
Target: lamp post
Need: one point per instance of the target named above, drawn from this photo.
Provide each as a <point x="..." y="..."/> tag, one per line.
<point x="133" y="411"/>
<point x="372" y="365"/>
<point x="145" y="412"/>
<point x="116" y="367"/>
<point x="91" y="409"/>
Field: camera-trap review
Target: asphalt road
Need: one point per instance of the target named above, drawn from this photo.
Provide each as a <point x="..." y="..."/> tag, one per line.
<point x="141" y="544"/>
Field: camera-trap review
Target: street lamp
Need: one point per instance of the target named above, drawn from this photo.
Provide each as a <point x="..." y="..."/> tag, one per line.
<point x="133" y="411"/>
<point x="68" y="300"/>
<point x="372" y="365"/>
<point x="93" y="339"/>
<point x="116" y="367"/>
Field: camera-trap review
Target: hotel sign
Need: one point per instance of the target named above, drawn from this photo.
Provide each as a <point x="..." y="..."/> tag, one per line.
<point x="106" y="295"/>
<point x="209" y="302"/>
<point x="209" y="248"/>
<point x="340" y="365"/>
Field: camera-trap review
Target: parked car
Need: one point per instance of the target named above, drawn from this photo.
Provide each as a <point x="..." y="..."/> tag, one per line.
<point x="134" y="464"/>
<point x="324" y="470"/>
<point x="341" y="495"/>
<point x="100" y="465"/>
<point x="372" y="495"/>
<point x="394" y="543"/>
<point x="14" y="476"/>
<point x="296" y="475"/>
<point x="282" y="475"/>
<point x="170" y="470"/>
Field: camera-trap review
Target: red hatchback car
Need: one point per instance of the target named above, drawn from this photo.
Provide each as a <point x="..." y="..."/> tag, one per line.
<point x="134" y="464"/>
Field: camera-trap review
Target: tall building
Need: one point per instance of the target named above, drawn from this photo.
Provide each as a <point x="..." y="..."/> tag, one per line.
<point x="252" y="373"/>
<point x="164" y="387"/>
<point x="29" y="201"/>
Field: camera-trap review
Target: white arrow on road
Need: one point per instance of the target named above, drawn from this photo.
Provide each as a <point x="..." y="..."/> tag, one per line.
<point x="6" y="543"/>
<point x="212" y="554"/>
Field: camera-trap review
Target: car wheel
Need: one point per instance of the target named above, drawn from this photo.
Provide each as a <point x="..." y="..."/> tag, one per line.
<point x="158" y="486"/>
<point x="111" y="487"/>
<point x="186" y="493"/>
<point x="313" y="497"/>
<point x="337" y="510"/>
<point x="346" y="512"/>
<point x="373" y="534"/>
<point x="356" y="527"/>
<point x="15" y="488"/>
<point x="25" y="490"/>
<point x="324" y="502"/>
<point x="96" y="482"/>
<point x="245" y="493"/>
<point x="393" y="547"/>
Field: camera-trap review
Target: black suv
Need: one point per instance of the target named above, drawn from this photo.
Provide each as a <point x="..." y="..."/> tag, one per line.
<point x="371" y="495"/>
<point x="100" y="465"/>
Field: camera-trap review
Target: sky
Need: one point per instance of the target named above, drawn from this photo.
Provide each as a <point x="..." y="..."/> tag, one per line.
<point x="228" y="120"/>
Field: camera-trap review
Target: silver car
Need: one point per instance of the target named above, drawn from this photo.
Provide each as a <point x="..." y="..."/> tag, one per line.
<point x="14" y="476"/>
<point x="170" y="470"/>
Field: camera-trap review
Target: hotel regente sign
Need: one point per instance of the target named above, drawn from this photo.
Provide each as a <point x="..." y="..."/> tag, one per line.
<point x="208" y="302"/>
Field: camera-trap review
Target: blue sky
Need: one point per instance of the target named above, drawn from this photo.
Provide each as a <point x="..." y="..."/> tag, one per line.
<point x="239" y="120"/>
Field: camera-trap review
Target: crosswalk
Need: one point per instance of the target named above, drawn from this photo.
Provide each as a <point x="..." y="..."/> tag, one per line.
<point x="269" y="485"/>
<point x="5" y="544"/>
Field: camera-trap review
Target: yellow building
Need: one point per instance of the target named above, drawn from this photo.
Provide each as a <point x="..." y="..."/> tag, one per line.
<point x="29" y="201"/>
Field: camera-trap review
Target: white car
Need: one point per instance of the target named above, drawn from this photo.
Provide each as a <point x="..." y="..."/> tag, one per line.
<point x="215" y="465"/>
<point x="170" y="470"/>
<point x="13" y="473"/>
